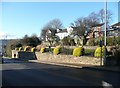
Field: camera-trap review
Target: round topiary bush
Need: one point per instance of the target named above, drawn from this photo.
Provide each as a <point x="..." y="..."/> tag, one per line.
<point x="20" y="49"/>
<point x="25" y="49"/>
<point x="42" y="50"/>
<point x="33" y="49"/>
<point x="56" y="50"/>
<point x="78" y="51"/>
<point x="98" y="52"/>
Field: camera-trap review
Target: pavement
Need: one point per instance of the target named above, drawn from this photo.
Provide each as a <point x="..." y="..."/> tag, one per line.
<point x="104" y="68"/>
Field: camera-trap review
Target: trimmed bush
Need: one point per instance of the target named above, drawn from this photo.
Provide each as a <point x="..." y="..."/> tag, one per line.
<point x="98" y="51"/>
<point x="33" y="49"/>
<point x="20" y="49"/>
<point x="78" y="51"/>
<point x="91" y="42"/>
<point x="66" y="51"/>
<point x="56" y="50"/>
<point x="25" y="49"/>
<point x="42" y="50"/>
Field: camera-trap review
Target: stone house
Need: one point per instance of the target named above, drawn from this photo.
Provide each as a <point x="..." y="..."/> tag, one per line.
<point x="96" y="31"/>
<point x="114" y="30"/>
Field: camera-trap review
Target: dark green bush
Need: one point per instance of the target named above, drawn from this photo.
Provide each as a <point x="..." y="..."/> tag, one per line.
<point x="91" y="42"/>
<point x="116" y="54"/>
<point x="110" y="41"/>
<point x="66" y="51"/>
<point x="65" y="41"/>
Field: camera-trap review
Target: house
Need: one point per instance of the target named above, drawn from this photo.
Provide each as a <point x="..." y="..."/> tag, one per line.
<point x="61" y="33"/>
<point x="114" y="30"/>
<point x="96" y="31"/>
<point x="50" y="32"/>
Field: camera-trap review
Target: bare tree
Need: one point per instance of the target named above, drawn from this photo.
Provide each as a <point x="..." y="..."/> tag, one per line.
<point x="52" y="25"/>
<point x="101" y="16"/>
<point x="92" y="19"/>
<point x="84" y="24"/>
<point x="55" y="24"/>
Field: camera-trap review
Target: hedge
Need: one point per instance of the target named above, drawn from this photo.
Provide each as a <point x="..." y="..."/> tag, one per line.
<point x="98" y="52"/>
<point x="78" y="51"/>
<point x="42" y="50"/>
<point x="56" y="50"/>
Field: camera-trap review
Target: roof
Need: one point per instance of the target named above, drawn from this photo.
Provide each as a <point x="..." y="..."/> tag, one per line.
<point x="96" y="25"/>
<point x="62" y="31"/>
<point x="116" y="24"/>
<point x="53" y="31"/>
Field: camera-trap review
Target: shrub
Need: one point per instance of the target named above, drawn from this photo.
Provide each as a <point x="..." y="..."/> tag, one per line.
<point x="98" y="51"/>
<point x="78" y="51"/>
<point x="110" y="41"/>
<point x="25" y="49"/>
<point x="65" y="41"/>
<point x="91" y="42"/>
<point x="56" y="50"/>
<point x="66" y="51"/>
<point x="116" y="54"/>
<point x="20" y="48"/>
<point x="33" y="49"/>
<point x="42" y="50"/>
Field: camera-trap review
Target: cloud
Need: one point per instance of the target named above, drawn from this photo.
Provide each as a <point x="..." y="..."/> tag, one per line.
<point x="5" y="35"/>
<point x="2" y="34"/>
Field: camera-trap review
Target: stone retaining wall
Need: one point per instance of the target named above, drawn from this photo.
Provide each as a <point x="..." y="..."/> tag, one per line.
<point x="67" y="59"/>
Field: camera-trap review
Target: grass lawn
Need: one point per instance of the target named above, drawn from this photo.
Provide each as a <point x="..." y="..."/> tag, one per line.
<point x="89" y="51"/>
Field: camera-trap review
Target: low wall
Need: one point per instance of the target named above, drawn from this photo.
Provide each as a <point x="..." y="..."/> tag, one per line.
<point x="67" y="59"/>
<point x="27" y="55"/>
<point x="23" y="55"/>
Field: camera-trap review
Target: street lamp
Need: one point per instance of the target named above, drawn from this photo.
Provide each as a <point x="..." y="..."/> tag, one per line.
<point x="105" y="19"/>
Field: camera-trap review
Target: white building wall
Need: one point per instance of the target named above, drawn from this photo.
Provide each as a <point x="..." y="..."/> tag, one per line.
<point x="62" y="35"/>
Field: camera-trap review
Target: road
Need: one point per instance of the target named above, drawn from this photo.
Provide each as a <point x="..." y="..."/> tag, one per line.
<point x="19" y="73"/>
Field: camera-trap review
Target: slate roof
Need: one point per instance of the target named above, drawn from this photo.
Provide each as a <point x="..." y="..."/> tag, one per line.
<point x="116" y="24"/>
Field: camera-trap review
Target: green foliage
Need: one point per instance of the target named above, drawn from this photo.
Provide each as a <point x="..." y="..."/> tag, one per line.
<point x="110" y="41"/>
<point x="89" y="52"/>
<point x="56" y="50"/>
<point x="78" y="51"/>
<point x="113" y="41"/>
<point x="31" y="41"/>
<point x="72" y="42"/>
<point x="66" y="51"/>
<point x="116" y="54"/>
<point x="11" y="45"/>
<point x="65" y="41"/>
<point x="91" y="42"/>
<point x="98" y="52"/>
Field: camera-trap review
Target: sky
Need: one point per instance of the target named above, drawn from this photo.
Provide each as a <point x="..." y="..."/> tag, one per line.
<point x="20" y="18"/>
